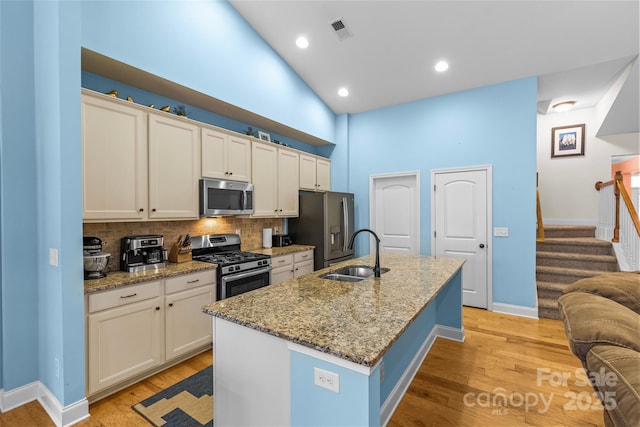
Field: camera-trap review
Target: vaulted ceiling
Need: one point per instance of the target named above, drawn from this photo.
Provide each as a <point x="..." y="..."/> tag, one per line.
<point x="577" y="49"/>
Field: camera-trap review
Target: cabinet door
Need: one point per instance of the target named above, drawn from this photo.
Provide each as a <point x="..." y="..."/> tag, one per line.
<point x="114" y="160"/>
<point x="265" y="179"/>
<point x="124" y="342"/>
<point x="323" y="175"/>
<point x="174" y="162"/>
<point x="239" y="158"/>
<point x="288" y="170"/>
<point x="307" y="172"/>
<point x="187" y="327"/>
<point x="302" y="268"/>
<point x="213" y="164"/>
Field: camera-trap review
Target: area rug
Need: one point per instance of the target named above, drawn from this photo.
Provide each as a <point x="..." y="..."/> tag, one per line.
<point x="188" y="403"/>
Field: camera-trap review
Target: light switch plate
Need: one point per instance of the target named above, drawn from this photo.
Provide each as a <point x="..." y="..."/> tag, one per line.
<point x="53" y="257"/>
<point x="501" y="231"/>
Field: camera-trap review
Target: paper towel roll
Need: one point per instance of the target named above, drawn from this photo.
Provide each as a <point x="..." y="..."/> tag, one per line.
<point x="266" y="237"/>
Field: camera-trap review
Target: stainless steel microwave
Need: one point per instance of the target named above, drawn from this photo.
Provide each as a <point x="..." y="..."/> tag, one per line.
<point x="223" y="197"/>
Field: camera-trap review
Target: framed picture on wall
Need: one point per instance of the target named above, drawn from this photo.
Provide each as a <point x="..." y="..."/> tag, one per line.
<point x="264" y="136"/>
<point x="567" y="141"/>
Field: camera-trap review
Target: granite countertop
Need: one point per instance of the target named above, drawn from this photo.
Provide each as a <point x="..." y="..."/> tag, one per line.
<point x="118" y="278"/>
<point x="354" y="321"/>
<point x="284" y="250"/>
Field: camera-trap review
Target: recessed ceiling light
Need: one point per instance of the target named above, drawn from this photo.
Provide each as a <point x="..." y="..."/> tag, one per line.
<point x="441" y="66"/>
<point x="561" y="107"/>
<point x="343" y="91"/>
<point x="302" y="42"/>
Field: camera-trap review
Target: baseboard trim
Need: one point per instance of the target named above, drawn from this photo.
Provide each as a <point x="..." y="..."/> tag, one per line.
<point x="18" y="396"/>
<point x="61" y="416"/>
<point x="516" y="310"/>
<point x="393" y="400"/>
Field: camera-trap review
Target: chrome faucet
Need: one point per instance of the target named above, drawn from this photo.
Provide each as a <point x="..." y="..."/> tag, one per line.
<point x="376" y="268"/>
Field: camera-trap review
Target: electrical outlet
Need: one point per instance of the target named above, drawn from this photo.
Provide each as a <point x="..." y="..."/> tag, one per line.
<point x="326" y="379"/>
<point x="501" y="231"/>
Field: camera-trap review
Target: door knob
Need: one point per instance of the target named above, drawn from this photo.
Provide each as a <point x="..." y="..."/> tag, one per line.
<point x="481" y="245"/>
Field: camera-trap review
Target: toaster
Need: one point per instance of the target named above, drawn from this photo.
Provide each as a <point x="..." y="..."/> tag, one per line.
<point x="279" y="240"/>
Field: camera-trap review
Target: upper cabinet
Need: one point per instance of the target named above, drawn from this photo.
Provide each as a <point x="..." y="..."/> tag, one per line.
<point x="137" y="165"/>
<point x="174" y="166"/>
<point x="225" y="156"/>
<point x="114" y="160"/>
<point x="275" y="180"/>
<point x="315" y="173"/>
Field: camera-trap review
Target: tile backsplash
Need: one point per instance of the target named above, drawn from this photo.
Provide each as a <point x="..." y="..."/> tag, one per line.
<point x="250" y="231"/>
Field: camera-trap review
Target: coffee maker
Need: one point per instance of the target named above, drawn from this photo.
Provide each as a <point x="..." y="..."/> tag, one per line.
<point x="94" y="260"/>
<point x="140" y="253"/>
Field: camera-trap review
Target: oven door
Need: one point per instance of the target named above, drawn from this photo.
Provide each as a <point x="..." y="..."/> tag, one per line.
<point x="239" y="283"/>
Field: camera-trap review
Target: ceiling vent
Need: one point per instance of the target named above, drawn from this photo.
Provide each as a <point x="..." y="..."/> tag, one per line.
<point x="340" y="29"/>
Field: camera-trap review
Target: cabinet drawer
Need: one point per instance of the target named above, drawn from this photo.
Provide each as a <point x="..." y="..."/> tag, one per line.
<point x="302" y="256"/>
<point x="125" y="295"/>
<point x="281" y="261"/>
<point x="189" y="281"/>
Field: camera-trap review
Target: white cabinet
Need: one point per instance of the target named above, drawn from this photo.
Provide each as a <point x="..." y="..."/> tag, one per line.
<point x="145" y="327"/>
<point x="124" y="334"/>
<point x="225" y="156"/>
<point x="281" y="268"/>
<point x="315" y="173"/>
<point x="275" y="174"/>
<point x="137" y="164"/>
<point x="174" y="162"/>
<point x="187" y="327"/>
<point x="289" y="266"/>
<point x="302" y="263"/>
<point x="114" y="160"/>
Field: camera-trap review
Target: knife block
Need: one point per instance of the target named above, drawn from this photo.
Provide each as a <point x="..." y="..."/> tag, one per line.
<point x="179" y="254"/>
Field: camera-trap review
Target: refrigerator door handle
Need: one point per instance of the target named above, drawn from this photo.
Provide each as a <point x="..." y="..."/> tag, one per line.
<point x="345" y="218"/>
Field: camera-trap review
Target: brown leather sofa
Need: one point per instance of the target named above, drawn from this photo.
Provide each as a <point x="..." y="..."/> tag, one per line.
<point x="601" y="318"/>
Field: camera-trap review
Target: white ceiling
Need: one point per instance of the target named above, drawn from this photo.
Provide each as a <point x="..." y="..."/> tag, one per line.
<point x="576" y="48"/>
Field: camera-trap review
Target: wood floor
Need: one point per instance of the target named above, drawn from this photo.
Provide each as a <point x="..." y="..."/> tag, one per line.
<point x="504" y="360"/>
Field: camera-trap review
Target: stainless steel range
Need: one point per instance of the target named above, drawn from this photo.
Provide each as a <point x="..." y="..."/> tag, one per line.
<point x="237" y="271"/>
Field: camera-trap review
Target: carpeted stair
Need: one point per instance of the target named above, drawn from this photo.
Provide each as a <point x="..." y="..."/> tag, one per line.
<point x="568" y="253"/>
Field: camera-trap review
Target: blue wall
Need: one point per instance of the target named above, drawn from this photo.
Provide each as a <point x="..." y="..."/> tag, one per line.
<point x="19" y="284"/>
<point x="208" y="47"/>
<point x="494" y="125"/>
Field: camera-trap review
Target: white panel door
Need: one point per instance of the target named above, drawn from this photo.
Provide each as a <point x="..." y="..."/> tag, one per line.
<point x="460" y="228"/>
<point x="396" y="212"/>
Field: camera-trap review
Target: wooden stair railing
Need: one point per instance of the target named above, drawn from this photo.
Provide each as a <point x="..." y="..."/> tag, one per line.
<point x="620" y="190"/>
<point x="540" y="237"/>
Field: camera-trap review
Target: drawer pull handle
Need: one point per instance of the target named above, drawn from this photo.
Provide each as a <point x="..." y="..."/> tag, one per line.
<point x="193" y="281"/>
<point x="282" y="260"/>
<point x="157" y="308"/>
<point x="170" y="304"/>
<point x="129" y="296"/>
<point x="304" y="256"/>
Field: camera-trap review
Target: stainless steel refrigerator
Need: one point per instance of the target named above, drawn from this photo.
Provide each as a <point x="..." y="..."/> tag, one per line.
<point x="326" y="222"/>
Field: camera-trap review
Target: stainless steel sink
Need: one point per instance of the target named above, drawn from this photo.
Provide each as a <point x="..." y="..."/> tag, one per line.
<point x="341" y="277"/>
<point x="352" y="273"/>
<point x="359" y="271"/>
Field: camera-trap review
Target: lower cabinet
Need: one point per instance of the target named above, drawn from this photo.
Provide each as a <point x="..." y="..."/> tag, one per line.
<point x="137" y="329"/>
<point x="285" y="267"/>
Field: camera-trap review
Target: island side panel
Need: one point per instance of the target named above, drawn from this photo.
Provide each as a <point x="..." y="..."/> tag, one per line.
<point x="357" y="403"/>
<point x="449" y="309"/>
<point x="251" y="382"/>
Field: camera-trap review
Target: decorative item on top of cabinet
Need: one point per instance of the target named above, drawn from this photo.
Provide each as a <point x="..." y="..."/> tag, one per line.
<point x="225" y="156"/>
<point x="315" y="173"/>
<point x="275" y="173"/>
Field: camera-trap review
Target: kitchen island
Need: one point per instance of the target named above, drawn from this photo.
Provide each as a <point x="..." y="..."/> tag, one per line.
<point x="312" y="351"/>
